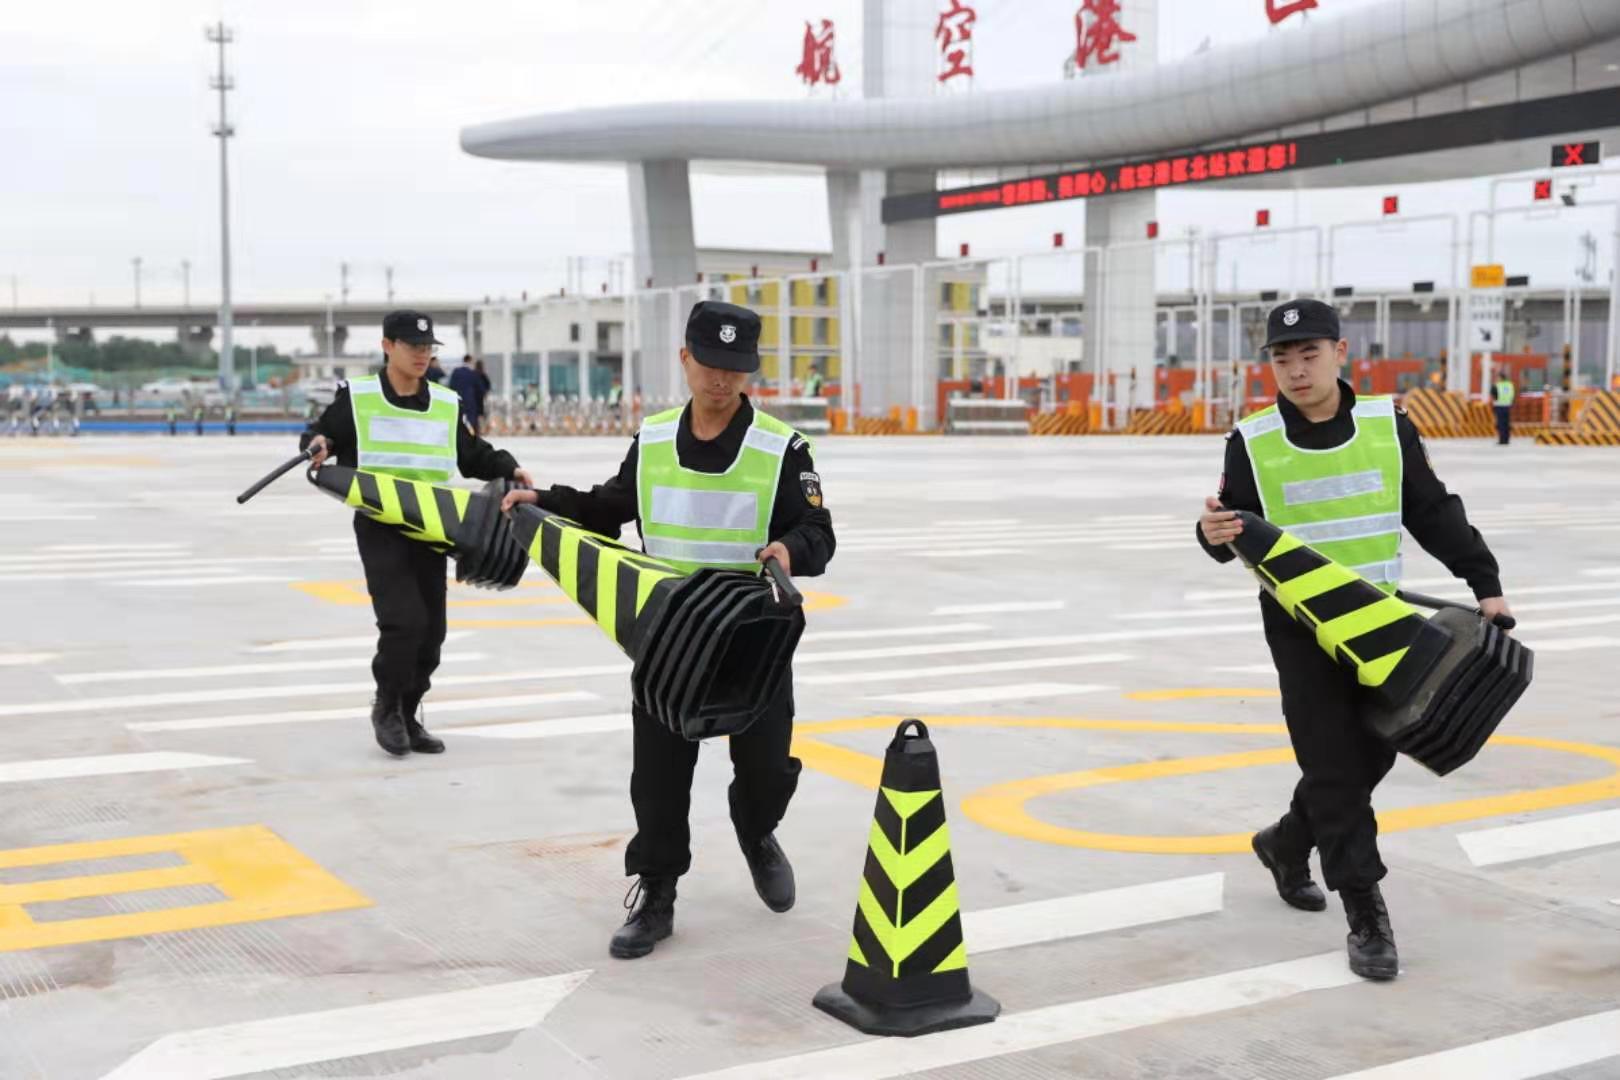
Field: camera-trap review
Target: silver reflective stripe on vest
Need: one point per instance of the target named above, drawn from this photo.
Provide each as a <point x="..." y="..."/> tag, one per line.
<point x="369" y="458"/>
<point x="698" y="551"/>
<point x="1345" y="528"/>
<point x="705" y="509"/>
<point x="768" y="441"/>
<point x="1328" y="488"/>
<point x="1260" y="425"/>
<point x="657" y="433"/>
<point x="399" y="429"/>
<point x="1385" y="407"/>
<point x="1381" y="572"/>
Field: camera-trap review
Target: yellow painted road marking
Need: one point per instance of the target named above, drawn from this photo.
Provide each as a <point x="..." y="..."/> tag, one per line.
<point x="1003" y="806"/>
<point x="1198" y="692"/>
<point x="262" y="876"/>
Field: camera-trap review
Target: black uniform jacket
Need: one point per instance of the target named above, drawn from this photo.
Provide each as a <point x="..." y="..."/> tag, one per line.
<point x="798" y="519"/>
<point x="474" y="457"/>
<point x="1434" y="516"/>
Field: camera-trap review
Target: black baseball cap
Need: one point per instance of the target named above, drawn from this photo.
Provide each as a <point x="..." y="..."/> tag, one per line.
<point x="1301" y="320"/>
<point x="723" y="335"/>
<point x="411" y="327"/>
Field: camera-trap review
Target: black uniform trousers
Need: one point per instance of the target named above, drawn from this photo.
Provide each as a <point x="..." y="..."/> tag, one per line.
<point x="764" y="778"/>
<point x="1504" y="423"/>
<point x="1340" y="760"/>
<point x="406" y="581"/>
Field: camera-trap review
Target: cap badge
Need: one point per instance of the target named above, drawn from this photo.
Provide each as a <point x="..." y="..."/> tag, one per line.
<point x="728" y="333"/>
<point x="422" y="324"/>
<point x="1291" y="316"/>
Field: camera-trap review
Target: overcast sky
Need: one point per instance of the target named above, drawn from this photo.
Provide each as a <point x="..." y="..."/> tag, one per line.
<point x="348" y="113"/>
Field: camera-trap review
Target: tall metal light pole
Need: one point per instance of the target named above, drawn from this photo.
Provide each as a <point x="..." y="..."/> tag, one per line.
<point x="185" y="280"/>
<point x="137" y="261"/>
<point x="219" y="34"/>
<point x="388" y="272"/>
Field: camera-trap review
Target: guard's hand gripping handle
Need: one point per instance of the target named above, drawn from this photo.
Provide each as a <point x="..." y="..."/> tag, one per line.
<point x="782" y="586"/>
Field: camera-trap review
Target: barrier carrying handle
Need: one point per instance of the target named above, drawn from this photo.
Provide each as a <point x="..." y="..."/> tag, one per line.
<point x="782" y="587"/>
<point x="273" y="475"/>
<point x="1505" y="622"/>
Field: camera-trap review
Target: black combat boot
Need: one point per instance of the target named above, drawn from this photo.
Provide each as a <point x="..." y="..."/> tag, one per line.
<point x="389" y="724"/>
<point x="410" y="707"/>
<point x="773" y="874"/>
<point x="651" y="901"/>
<point x="1371" y="941"/>
<point x="1293" y="879"/>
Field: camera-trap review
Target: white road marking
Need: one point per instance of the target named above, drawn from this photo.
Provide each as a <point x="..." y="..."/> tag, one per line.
<point x="367" y="641"/>
<point x="1521" y="1056"/>
<point x="256" y="693"/>
<point x="1012" y="1033"/>
<point x="193" y="580"/>
<point x="1538" y="625"/>
<point x="1009" y="607"/>
<point x="1091" y="913"/>
<point x="1247" y="669"/>
<point x="973" y="695"/>
<point x="12" y="772"/>
<point x="892" y="632"/>
<point x="946" y="671"/>
<point x="1188" y="613"/>
<point x="545" y="729"/>
<point x="1559" y="836"/>
<point x="170" y="546"/>
<point x="360" y="712"/>
<point x="330" y="664"/>
<point x="1518" y="609"/>
<point x="285" y="1042"/>
<point x="959" y="553"/>
<point x="1576" y="644"/>
<point x="1602" y="571"/>
<point x="1005" y="644"/>
<point x="14" y="518"/>
<point x="26" y="658"/>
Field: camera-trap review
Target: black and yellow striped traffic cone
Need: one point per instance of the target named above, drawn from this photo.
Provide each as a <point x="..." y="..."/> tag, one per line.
<point x="465" y="524"/>
<point x="711" y="649"/>
<point x="907" y="968"/>
<point x="1438" y="687"/>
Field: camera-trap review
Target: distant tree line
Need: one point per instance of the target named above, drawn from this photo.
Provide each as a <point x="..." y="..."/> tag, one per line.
<point x="138" y="354"/>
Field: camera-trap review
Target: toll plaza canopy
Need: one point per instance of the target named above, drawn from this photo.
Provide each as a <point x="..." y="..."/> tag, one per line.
<point x="1330" y="68"/>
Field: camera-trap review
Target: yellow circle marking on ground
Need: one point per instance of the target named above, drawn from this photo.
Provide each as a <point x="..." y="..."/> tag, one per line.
<point x="1003" y="806"/>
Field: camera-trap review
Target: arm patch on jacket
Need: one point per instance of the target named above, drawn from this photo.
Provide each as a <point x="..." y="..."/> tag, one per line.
<point x="811" y="485"/>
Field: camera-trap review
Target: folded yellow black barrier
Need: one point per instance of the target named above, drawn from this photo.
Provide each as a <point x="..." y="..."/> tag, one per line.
<point x="1437" y="688"/>
<point x="711" y="649"/>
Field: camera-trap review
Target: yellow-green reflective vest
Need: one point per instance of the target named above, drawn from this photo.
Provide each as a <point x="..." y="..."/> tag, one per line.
<point x="1504" y="393"/>
<point x="1344" y="502"/>
<point x="695" y="519"/>
<point x="403" y="442"/>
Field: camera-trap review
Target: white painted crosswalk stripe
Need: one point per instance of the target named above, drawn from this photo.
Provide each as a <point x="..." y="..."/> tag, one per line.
<point x="256" y="693"/>
<point x="546" y="729"/>
<point x="1012" y="1033"/>
<point x="1033" y="663"/>
<point x="1579" y="644"/>
<point x="218" y="671"/>
<point x="359" y="712"/>
<point x="1006" y="644"/>
<point x="285" y="1042"/>
<point x="1558" y="836"/>
<point x="978" y="695"/>
<point x="27" y="659"/>
<point x="1091" y="913"/>
<point x="1521" y="1056"/>
<point x="1010" y="607"/>
<point x="12" y="772"/>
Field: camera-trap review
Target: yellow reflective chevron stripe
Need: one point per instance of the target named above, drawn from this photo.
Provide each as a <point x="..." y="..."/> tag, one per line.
<point x="608" y="581"/>
<point x="904" y="870"/>
<point x="908" y="917"/>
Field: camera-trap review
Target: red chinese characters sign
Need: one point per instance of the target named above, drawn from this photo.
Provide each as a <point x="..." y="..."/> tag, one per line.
<point x="1098" y="33"/>
<point x="954" y="32"/>
<point x="1132" y="176"/>
<point x="1278" y="10"/>
<point x="817" y="63"/>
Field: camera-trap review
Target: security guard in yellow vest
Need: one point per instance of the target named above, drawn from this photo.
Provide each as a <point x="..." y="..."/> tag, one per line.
<point x="396" y="422"/>
<point x="710" y="484"/>
<point x="1344" y="474"/>
<point x="1502" y="394"/>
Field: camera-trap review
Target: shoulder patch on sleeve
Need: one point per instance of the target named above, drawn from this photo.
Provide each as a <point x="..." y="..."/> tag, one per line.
<point x="810" y="483"/>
